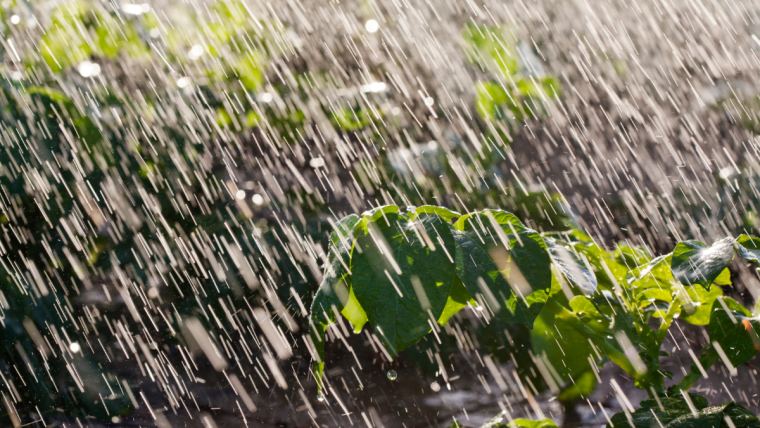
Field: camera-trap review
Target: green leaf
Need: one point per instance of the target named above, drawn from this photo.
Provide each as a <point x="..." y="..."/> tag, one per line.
<point x="675" y="412"/>
<point x="697" y="303"/>
<point x="734" y="330"/>
<point x="402" y="274"/>
<point x="694" y="263"/>
<point x="573" y="267"/>
<point x="749" y="247"/>
<point x="559" y="344"/>
<point x="659" y="412"/>
<point x="499" y="422"/>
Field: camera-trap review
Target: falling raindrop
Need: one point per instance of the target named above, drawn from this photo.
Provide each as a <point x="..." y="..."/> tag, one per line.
<point x="135" y="9"/>
<point x="257" y="199"/>
<point x="391" y="375"/>
<point x="317" y="162"/>
<point x="88" y="69"/>
<point x="374" y="87"/>
<point x="372" y="26"/>
<point x="195" y="52"/>
<point x="74" y="347"/>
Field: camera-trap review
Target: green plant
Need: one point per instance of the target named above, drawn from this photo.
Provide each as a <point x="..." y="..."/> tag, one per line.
<point x="404" y="271"/>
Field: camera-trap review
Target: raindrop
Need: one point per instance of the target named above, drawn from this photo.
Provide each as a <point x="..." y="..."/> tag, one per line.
<point x="135" y="9"/>
<point x="266" y="97"/>
<point x="321" y="398"/>
<point x="240" y="195"/>
<point x="317" y="162"/>
<point x="195" y="52"/>
<point x="435" y="386"/>
<point x="391" y="375"/>
<point x="15" y="19"/>
<point x="88" y="69"/>
<point x="372" y="26"/>
<point x="257" y="199"/>
<point x="374" y="87"/>
<point x="429" y="101"/>
<point x="74" y="347"/>
<point x="183" y="82"/>
<point x="153" y="292"/>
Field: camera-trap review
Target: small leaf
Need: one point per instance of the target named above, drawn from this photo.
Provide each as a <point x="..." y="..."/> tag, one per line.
<point x="694" y="263"/>
<point x="574" y="268"/>
<point x="749" y="248"/>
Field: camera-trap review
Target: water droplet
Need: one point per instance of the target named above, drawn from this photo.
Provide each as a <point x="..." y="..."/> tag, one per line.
<point x="374" y="87"/>
<point x="88" y="69"/>
<point x="183" y="82"/>
<point x="321" y="398"/>
<point x="153" y="292"/>
<point x="240" y="195"/>
<point x="135" y="9"/>
<point x="74" y="347"/>
<point x="266" y="97"/>
<point x="257" y="199"/>
<point x="372" y="26"/>
<point x="15" y="19"/>
<point x="195" y="52"/>
<point x="317" y="162"/>
<point x="392" y="375"/>
<point x="435" y="386"/>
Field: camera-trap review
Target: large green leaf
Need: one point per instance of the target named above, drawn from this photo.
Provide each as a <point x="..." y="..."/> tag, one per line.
<point x="676" y="412"/>
<point x="734" y="330"/>
<point x="660" y="412"/>
<point x="402" y="274"/>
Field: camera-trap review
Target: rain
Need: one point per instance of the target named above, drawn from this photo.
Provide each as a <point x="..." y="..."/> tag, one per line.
<point x="368" y="213"/>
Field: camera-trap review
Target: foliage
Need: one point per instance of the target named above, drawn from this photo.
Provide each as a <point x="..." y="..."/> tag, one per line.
<point x="404" y="272"/>
<point x="518" y="90"/>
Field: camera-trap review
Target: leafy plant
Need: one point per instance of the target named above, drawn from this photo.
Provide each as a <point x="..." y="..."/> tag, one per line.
<point x="401" y="272"/>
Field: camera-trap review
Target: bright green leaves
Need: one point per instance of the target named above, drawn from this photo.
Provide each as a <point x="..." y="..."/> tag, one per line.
<point x="499" y="422"/>
<point x="516" y="92"/>
<point x="678" y="412"/>
<point x="79" y="31"/>
<point x="402" y="273"/>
